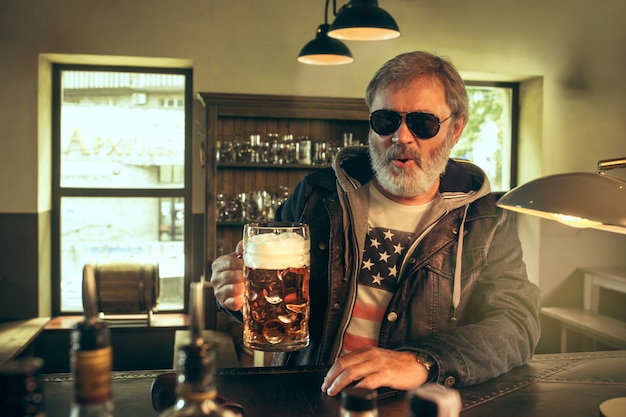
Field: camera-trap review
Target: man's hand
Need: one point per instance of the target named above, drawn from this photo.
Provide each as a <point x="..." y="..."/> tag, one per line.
<point x="373" y="367"/>
<point x="227" y="279"/>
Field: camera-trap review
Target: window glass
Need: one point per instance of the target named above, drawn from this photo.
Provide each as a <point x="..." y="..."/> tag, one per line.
<point x="487" y="139"/>
<point x="120" y="163"/>
<point x="101" y="230"/>
<point x="122" y="130"/>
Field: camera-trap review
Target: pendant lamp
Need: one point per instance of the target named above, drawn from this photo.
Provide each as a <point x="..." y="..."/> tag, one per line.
<point x="363" y="20"/>
<point x="580" y="199"/>
<point x="324" y="50"/>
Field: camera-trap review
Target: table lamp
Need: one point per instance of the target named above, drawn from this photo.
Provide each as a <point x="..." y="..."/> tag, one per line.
<point x="581" y="199"/>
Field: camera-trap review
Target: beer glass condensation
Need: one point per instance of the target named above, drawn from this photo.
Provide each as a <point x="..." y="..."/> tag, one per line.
<point x="276" y="275"/>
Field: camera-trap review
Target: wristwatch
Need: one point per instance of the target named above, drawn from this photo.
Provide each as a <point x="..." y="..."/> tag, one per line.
<point x="427" y="362"/>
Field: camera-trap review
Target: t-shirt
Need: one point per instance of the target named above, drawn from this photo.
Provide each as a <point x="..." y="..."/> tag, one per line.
<point x="391" y="229"/>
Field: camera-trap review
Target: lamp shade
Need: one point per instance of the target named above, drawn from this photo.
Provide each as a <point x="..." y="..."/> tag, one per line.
<point x="324" y="50"/>
<point x="363" y="20"/>
<point x="576" y="199"/>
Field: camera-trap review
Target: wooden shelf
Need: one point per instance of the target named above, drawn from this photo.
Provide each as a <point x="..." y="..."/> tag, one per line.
<point x="604" y="329"/>
<point x="174" y="320"/>
<point x="241" y="165"/>
<point x="321" y="119"/>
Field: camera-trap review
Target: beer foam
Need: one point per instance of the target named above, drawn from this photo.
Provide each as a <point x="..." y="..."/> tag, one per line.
<point x="272" y="251"/>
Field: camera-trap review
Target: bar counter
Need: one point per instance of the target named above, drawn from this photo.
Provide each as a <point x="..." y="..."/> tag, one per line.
<point x="566" y="384"/>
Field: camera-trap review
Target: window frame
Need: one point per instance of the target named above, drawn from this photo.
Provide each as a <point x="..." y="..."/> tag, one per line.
<point x="58" y="192"/>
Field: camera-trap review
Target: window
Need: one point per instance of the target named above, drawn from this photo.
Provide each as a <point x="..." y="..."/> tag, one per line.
<point x="121" y="176"/>
<point x="490" y="137"/>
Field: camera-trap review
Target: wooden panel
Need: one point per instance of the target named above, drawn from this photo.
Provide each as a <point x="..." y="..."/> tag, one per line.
<point x="22" y="295"/>
<point x="303" y="107"/>
<point x="18" y="335"/>
<point x="236" y="128"/>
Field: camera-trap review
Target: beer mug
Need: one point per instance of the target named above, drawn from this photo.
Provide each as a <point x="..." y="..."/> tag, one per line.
<point x="276" y="307"/>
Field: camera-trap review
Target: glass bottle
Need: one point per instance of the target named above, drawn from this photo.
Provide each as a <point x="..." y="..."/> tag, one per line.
<point x="21" y="391"/>
<point x="196" y="390"/>
<point x="91" y="358"/>
<point x="358" y="402"/>
<point x="434" y="400"/>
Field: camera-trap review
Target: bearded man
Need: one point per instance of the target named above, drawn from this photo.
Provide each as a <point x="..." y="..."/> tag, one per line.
<point x="416" y="275"/>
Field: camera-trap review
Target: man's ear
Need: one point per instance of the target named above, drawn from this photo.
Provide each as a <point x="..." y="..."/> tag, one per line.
<point x="459" y="125"/>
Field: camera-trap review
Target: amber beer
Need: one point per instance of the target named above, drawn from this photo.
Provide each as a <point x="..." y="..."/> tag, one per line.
<point x="276" y="296"/>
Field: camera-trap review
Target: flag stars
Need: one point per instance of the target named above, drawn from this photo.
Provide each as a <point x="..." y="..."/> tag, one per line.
<point x="368" y="264"/>
<point x="398" y="248"/>
<point x="382" y="257"/>
<point x="393" y="271"/>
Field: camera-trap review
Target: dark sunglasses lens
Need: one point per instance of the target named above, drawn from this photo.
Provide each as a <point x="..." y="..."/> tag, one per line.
<point x="385" y="122"/>
<point x="423" y="125"/>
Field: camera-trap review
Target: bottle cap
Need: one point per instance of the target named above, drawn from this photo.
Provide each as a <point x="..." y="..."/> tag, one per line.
<point x="196" y="362"/>
<point x="358" y="399"/>
<point x="90" y="336"/>
<point x="434" y="400"/>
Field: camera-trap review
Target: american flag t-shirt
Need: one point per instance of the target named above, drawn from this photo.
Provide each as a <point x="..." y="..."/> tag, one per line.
<point x="391" y="229"/>
<point x="377" y="279"/>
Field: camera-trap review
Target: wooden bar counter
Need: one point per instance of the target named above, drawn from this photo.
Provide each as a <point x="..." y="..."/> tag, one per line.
<point x="569" y="384"/>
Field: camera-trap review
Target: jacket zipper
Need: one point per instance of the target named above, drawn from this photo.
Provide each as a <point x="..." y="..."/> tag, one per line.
<point x="345" y="319"/>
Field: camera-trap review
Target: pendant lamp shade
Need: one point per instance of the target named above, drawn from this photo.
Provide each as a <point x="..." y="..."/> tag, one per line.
<point x="324" y="50"/>
<point x="583" y="200"/>
<point x="363" y="20"/>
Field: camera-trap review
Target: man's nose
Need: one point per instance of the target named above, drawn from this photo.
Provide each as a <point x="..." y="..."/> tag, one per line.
<point x="403" y="135"/>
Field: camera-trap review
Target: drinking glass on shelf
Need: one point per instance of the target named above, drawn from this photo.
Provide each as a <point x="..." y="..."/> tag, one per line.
<point x="304" y="150"/>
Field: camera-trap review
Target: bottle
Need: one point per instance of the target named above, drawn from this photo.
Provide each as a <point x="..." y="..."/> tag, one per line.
<point x="91" y="358"/>
<point x="358" y="402"/>
<point x="196" y="390"/>
<point x="21" y="391"/>
<point x="434" y="400"/>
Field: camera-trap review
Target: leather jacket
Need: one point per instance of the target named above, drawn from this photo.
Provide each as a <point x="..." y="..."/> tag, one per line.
<point x="476" y="320"/>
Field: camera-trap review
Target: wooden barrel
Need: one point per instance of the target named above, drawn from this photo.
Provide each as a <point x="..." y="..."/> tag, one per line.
<point x="127" y="287"/>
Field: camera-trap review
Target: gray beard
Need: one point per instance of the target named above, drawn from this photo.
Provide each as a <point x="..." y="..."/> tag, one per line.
<point x="404" y="183"/>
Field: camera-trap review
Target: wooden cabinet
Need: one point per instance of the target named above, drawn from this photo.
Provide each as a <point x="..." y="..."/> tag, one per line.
<point x="234" y="117"/>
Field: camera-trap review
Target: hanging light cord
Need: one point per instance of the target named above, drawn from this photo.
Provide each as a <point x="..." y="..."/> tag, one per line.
<point x="326" y="11"/>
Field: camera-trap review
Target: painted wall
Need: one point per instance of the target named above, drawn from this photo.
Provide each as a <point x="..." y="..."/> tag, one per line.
<point x="571" y="55"/>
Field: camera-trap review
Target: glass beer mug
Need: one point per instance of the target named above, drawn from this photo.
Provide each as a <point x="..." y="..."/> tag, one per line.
<point x="276" y="306"/>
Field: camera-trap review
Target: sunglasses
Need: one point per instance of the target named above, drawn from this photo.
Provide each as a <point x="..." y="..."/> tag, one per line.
<point x="422" y="125"/>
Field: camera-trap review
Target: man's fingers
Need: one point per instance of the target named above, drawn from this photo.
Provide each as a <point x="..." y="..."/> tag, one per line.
<point x="373" y="367"/>
<point x="227" y="281"/>
<point x="346" y="370"/>
<point x="230" y="295"/>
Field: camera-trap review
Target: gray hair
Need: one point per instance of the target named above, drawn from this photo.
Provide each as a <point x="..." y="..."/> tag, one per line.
<point x="405" y="68"/>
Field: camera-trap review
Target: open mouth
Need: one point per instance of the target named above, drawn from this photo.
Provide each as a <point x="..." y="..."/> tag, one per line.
<point x="402" y="162"/>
